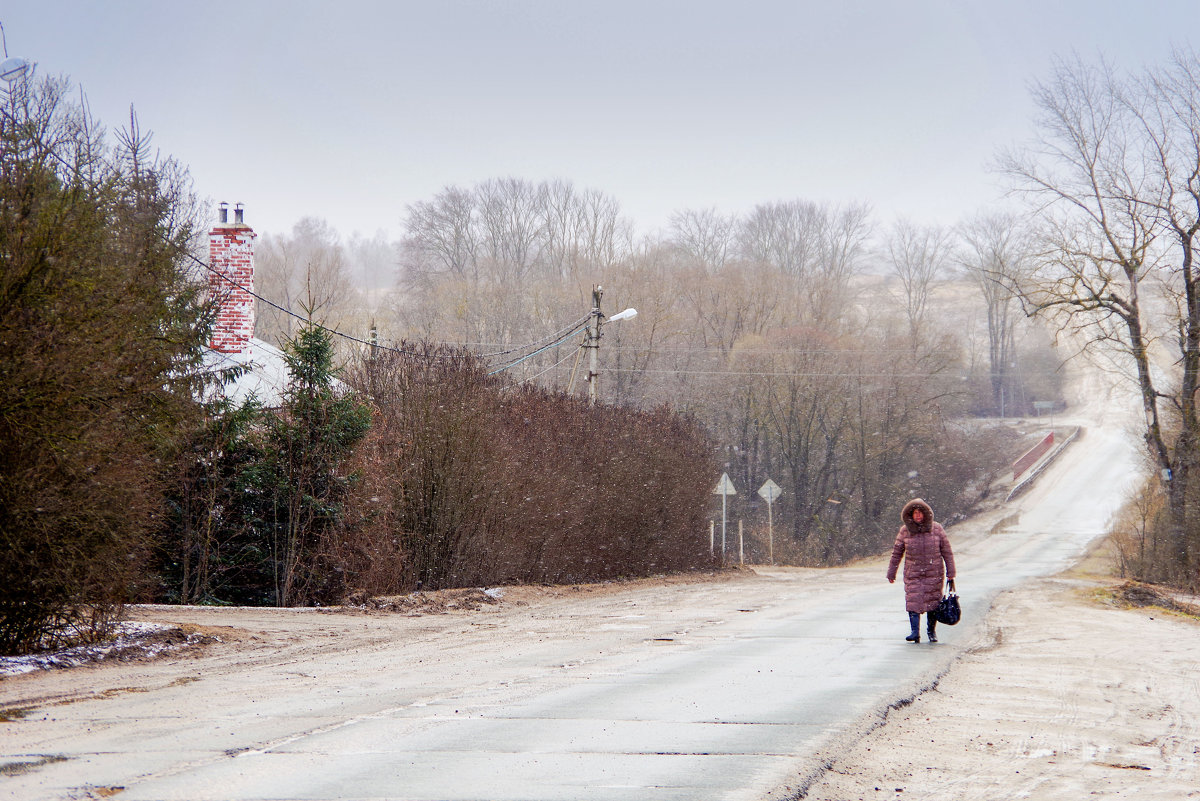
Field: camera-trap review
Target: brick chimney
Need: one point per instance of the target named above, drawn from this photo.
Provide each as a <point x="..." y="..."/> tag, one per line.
<point x="231" y="254"/>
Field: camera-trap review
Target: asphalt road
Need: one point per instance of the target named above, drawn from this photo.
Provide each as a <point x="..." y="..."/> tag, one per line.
<point x="723" y="691"/>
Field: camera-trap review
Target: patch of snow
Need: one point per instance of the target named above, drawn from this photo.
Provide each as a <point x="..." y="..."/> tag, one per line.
<point x="132" y="640"/>
<point x="266" y="377"/>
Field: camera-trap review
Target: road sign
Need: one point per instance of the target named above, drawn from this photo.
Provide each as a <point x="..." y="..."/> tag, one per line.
<point x="724" y="486"/>
<point x="769" y="491"/>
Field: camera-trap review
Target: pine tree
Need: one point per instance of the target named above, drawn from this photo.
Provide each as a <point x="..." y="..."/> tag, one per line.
<point x="100" y="330"/>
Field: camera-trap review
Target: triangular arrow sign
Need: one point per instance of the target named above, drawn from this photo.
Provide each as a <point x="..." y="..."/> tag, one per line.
<point x="724" y="486"/>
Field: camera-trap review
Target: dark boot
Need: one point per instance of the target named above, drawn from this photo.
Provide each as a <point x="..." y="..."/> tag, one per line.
<point x="914" y="620"/>
<point x="931" y="629"/>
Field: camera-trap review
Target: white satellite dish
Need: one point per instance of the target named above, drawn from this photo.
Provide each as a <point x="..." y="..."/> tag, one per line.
<point x="13" y="68"/>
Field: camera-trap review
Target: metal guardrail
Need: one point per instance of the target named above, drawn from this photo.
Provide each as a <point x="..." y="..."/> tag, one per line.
<point x="1031" y="456"/>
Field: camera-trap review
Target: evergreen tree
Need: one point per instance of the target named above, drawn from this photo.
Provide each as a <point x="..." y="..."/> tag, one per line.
<point x="100" y="330"/>
<point x="311" y="438"/>
<point x="260" y="502"/>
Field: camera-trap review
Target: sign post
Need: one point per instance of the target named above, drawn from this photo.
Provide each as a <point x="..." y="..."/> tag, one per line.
<point x="741" y="544"/>
<point x="769" y="491"/>
<point x="724" y="488"/>
<point x="1045" y="406"/>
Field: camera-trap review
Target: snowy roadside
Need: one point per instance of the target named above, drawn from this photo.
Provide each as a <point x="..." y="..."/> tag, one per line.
<point x="158" y="631"/>
<point x="144" y="640"/>
<point x="132" y="641"/>
<point x="1067" y="696"/>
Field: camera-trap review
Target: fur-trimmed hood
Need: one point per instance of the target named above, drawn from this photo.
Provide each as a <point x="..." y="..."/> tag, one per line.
<point x="926" y="525"/>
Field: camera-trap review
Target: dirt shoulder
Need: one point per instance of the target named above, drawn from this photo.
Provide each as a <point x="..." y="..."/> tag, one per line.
<point x="1068" y="695"/>
<point x="175" y="644"/>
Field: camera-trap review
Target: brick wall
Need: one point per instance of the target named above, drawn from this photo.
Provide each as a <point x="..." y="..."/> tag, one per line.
<point x="231" y="253"/>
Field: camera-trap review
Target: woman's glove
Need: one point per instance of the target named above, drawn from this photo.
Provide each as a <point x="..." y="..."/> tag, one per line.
<point x="950" y="584"/>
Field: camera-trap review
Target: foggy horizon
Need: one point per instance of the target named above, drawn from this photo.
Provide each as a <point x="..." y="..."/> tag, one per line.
<point x="351" y="115"/>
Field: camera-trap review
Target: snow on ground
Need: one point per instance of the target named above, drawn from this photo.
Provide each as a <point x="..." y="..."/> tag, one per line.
<point x="133" y="640"/>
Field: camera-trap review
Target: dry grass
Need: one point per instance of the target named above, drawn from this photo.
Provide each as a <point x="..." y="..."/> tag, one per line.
<point x="1136" y="595"/>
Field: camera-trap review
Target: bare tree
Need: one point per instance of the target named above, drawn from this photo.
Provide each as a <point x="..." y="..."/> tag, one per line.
<point x="1114" y="177"/>
<point x="607" y="237"/>
<point x="807" y="240"/>
<point x="784" y="235"/>
<point x="304" y="272"/>
<point x="510" y="217"/>
<point x="582" y="232"/>
<point x="844" y="241"/>
<point x="995" y="256"/>
<point x="740" y="302"/>
<point x="441" y="235"/>
<point x="704" y="236"/>
<point x="918" y="256"/>
<point x="511" y="231"/>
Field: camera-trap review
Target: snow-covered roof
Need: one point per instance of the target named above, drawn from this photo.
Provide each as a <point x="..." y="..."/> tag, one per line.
<point x="267" y="377"/>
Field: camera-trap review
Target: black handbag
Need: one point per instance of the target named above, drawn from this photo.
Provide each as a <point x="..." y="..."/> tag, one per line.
<point x="948" y="611"/>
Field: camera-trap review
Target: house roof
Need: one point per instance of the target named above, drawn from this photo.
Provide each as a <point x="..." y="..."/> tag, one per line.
<point x="266" y="378"/>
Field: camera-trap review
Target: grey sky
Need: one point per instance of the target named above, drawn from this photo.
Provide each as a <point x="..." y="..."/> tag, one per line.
<point x="352" y="110"/>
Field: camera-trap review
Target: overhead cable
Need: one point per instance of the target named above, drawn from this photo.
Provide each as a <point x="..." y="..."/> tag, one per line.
<point x="548" y="369"/>
<point x="558" y="336"/>
<point x="540" y="350"/>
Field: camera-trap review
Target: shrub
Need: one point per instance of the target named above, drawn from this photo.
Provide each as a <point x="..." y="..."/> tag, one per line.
<point x="474" y="481"/>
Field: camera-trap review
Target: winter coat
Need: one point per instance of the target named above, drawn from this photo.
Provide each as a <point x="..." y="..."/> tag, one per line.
<point x="925" y="550"/>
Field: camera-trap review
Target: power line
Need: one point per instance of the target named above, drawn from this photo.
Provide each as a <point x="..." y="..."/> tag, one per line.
<point x="784" y="374"/>
<point x="307" y="321"/>
<point x="548" y="369"/>
<point x="570" y="329"/>
<point x="539" y="350"/>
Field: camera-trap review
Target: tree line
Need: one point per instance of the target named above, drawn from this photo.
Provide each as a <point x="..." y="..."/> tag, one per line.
<point x="126" y="474"/>
<point x="854" y="364"/>
<point x="767" y="326"/>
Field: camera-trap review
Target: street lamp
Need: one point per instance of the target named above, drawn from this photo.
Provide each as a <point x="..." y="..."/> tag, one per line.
<point x="12" y="68"/>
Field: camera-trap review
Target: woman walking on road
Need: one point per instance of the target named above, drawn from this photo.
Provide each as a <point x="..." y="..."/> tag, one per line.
<point x="923" y="546"/>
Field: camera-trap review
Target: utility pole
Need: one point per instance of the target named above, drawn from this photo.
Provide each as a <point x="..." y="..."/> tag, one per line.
<point x="593" y="342"/>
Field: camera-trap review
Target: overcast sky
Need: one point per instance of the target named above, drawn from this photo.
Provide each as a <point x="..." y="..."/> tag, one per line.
<point x="350" y="111"/>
